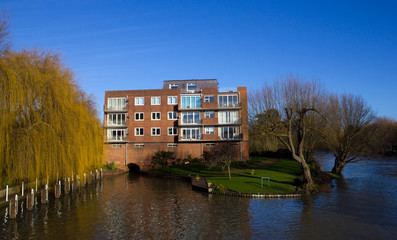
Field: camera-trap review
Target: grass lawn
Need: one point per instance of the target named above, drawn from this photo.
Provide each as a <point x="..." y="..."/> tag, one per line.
<point x="190" y="169"/>
<point x="281" y="173"/>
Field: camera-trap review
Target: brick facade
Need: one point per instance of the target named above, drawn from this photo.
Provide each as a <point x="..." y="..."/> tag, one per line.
<point x="137" y="122"/>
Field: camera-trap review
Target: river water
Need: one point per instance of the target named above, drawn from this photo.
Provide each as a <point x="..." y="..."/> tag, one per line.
<point x="362" y="205"/>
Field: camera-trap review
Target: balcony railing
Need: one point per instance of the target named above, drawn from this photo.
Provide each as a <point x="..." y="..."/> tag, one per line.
<point x="116" y="139"/>
<point x="122" y="125"/>
<point x="115" y="109"/>
<point x="233" y="105"/>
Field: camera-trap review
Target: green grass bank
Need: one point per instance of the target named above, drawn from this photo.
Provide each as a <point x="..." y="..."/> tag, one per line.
<point x="246" y="177"/>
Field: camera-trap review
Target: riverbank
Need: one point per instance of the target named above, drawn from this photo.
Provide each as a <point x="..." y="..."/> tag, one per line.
<point x="259" y="176"/>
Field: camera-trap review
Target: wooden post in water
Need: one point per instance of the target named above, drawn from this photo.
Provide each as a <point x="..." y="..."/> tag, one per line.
<point x="66" y="188"/>
<point x="58" y="189"/>
<point x="101" y="173"/>
<point x="85" y="179"/>
<point x="70" y="184"/>
<point x="23" y="189"/>
<point x="44" y="194"/>
<point x="36" y="184"/>
<point x="30" y="200"/>
<point x="7" y="193"/>
<point x="14" y="207"/>
<point x="77" y="181"/>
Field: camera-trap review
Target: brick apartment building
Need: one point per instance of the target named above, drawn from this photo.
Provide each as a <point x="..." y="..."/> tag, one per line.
<point x="185" y="116"/>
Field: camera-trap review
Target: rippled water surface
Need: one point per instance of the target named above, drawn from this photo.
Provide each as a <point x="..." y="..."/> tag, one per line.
<point x="361" y="205"/>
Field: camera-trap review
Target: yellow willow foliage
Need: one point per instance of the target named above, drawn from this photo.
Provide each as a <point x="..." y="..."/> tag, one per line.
<point x="47" y="124"/>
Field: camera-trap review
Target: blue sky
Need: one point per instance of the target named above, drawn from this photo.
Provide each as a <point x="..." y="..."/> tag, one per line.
<point x="350" y="46"/>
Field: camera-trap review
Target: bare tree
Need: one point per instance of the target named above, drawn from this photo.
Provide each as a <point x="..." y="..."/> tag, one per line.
<point x="290" y="108"/>
<point x="4" y="41"/>
<point x="348" y="134"/>
<point x="225" y="153"/>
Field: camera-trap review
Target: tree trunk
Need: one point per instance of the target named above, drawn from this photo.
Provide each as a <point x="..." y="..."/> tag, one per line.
<point x="307" y="177"/>
<point x="338" y="166"/>
<point x="230" y="174"/>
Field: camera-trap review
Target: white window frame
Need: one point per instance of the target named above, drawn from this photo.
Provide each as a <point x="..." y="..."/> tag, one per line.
<point x="172" y="145"/>
<point x="139" y="113"/>
<point x="207" y="98"/>
<point x="228" y="103"/>
<point x="185" y="116"/>
<point x="120" y="120"/>
<point x="189" y="85"/>
<point x="228" y="117"/>
<point x="117" y="103"/>
<point x="192" y="101"/>
<point x="207" y="114"/>
<point x="155" y="133"/>
<point x="210" y="144"/>
<point x="156" y="101"/>
<point x="143" y="131"/>
<point x="138" y="101"/>
<point x="173" y="86"/>
<point x="139" y="145"/>
<point x="174" y="131"/>
<point x="230" y="130"/>
<point x="174" y="115"/>
<point x="172" y="100"/>
<point x="156" y="119"/>
<point x="117" y="138"/>
<point x="190" y="137"/>
<point x="208" y="131"/>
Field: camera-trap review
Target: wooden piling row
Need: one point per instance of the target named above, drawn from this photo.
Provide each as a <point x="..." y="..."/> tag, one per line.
<point x="70" y="184"/>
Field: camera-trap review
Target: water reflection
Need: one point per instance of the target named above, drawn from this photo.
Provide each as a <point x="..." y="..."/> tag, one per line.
<point x="360" y="205"/>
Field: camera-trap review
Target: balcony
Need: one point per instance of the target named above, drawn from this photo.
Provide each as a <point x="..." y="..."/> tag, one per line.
<point x="187" y="139"/>
<point x="230" y="106"/>
<point x="116" y="139"/>
<point x="110" y="125"/>
<point x="115" y="110"/>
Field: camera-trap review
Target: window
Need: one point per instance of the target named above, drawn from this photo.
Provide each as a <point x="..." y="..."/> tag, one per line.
<point x="156" y="100"/>
<point x="139" y="116"/>
<point x="172" y="131"/>
<point x="139" y="145"/>
<point x="172" y="115"/>
<point x="172" y="145"/>
<point x="116" y="134"/>
<point x="139" y="131"/>
<point x="173" y="85"/>
<point x="156" y="115"/>
<point x="172" y="100"/>
<point x="208" y="98"/>
<point x="116" y="145"/>
<point x="191" y="133"/>
<point x="229" y="133"/>
<point x="139" y="101"/>
<point x="116" y="119"/>
<point x="191" y="102"/>
<point x="228" y="117"/>
<point x="209" y="130"/>
<point x="209" y="114"/>
<point x="156" y="131"/>
<point x="191" y="117"/>
<point x="191" y="87"/>
<point x="228" y="101"/>
<point x="210" y="144"/>
<point x="117" y="103"/>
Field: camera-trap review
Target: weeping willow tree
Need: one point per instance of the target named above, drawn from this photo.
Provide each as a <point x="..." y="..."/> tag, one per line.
<point x="48" y="126"/>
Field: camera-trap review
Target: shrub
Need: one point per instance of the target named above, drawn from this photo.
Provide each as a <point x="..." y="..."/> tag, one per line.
<point x="160" y="158"/>
<point x="110" y="166"/>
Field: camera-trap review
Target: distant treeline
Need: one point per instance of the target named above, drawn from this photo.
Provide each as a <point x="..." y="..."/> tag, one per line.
<point x="48" y="125"/>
